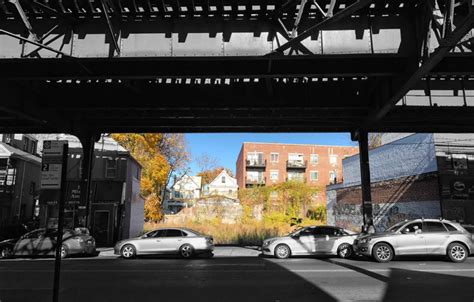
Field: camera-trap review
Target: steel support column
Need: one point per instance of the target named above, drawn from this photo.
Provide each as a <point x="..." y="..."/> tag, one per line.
<point x="88" y="142"/>
<point x="362" y="137"/>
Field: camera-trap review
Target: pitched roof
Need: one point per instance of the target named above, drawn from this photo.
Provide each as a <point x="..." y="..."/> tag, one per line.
<point x="9" y="151"/>
<point x="223" y="173"/>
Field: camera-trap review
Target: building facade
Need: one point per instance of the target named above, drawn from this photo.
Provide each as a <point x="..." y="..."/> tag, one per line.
<point x="272" y="163"/>
<point x="20" y="168"/>
<point x="186" y="187"/>
<point x="117" y="209"/>
<point x="417" y="175"/>
<point x="223" y="185"/>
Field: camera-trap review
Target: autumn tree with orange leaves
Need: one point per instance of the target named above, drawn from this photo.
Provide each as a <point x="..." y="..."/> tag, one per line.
<point x="160" y="155"/>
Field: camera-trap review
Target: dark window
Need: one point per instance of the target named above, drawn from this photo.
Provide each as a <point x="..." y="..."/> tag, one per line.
<point x="32" y="188"/>
<point x="223" y="179"/>
<point x="174" y="233"/>
<point x="159" y="233"/>
<point x="431" y="226"/>
<point x="450" y="227"/>
<point x="34" y="234"/>
<point x="110" y="168"/>
<point x="307" y="232"/>
<point x="329" y="231"/>
<point x="412" y="227"/>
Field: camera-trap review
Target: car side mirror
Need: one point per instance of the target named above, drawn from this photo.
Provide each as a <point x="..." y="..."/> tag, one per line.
<point x="296" y="236"/>
<point x="405" y="231"/>
<point x="418" y="231"/>
<point x="327" y="237"/>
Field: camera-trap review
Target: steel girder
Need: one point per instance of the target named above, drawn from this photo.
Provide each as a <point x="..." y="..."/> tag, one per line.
<point x="237" y="105"/>
<point x="170" y="28"/>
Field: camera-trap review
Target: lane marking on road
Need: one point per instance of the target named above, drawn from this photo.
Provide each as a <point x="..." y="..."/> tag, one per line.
<point x="225" y="264"/>
<point x="232" y="270"/>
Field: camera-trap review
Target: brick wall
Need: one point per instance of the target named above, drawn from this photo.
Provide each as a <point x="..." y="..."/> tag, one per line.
<point x="393" y="201"/>
<point x="323" y="165"/>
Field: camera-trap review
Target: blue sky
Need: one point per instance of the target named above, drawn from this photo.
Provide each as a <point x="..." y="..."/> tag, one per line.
<point x="226" y="146"/>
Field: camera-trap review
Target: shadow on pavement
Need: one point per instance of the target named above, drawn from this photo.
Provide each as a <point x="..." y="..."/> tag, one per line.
<point x="220" y="279"/>
<point x="416" y="285"/>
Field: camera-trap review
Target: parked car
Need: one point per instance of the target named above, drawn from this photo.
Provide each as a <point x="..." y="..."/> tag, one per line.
<point x="418" y="237"/>
<point x="312" y="240"/>
<point x="42" y="242"/>
<point x="6" y="248"/>
<point x="181" y="241"/>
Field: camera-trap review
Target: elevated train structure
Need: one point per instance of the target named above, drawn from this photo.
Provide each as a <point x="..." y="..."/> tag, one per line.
<point x="226" y="65"/>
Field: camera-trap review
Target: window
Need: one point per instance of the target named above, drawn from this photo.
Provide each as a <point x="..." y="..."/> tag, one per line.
<point x="450" y="227"/>
<point x="328" y="231"/>
<point x="7" y="138"/>
<point x="32" y="188"/>
<point x="296" y="176"/>
<point x="254" y="158"/>
<point x="313" y="175"/>
<point x="223" y="179"/>
<point x="110" y="168"/>
<point x="313" y="158"/>
<point x="412" y="227"/>
<point x="174" y="233"/>
<point x="332" y="176"/>
<point x="274" y="175"/>
<point x="333" y="159"/>
<point x="431" y="226"/>
<point x="274" y="157"/>
<point x="26" y="142"/>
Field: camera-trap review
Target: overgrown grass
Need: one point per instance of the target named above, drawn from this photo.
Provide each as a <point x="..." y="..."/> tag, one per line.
<point x="249" y="233"/>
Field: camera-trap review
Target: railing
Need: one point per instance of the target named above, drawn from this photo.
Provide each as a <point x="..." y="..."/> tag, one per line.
<point x="256" y="163"/>
<point x="255" y="181"/>
<point x="296" y="164"/>
<point x="301" y="179"/>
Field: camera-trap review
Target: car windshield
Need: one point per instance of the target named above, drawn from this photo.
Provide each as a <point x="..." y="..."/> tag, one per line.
<point x="395" y="227"/>
<point x="296" y="231"/>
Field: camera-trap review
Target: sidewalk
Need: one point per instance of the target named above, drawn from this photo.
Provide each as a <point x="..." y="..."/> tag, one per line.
<point x="219" y="251"/>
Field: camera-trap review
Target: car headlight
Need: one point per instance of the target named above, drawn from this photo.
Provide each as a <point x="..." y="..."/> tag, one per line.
<point x="268" y="242"/>
<point x="365" y="240"/>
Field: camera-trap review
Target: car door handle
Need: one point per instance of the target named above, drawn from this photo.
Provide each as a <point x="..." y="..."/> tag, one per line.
<point x="180" y="239"/>
<point x="158" y="240"/>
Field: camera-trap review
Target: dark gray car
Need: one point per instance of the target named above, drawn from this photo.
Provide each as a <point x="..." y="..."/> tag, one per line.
<point x="42" y="242"/>
<point x="418" y="237"/>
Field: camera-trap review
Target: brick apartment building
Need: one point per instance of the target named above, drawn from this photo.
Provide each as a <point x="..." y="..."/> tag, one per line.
<point x="272" y="163"/>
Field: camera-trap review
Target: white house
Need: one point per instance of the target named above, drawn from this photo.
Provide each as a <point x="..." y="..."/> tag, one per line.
<point x="187" y="187"/>
<point x="224" y="185"/>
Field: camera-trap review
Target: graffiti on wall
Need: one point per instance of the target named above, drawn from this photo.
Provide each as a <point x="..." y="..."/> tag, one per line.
<point x="349" y="216"/>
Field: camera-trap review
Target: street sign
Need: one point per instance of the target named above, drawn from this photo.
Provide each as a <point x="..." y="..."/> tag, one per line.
<point x="52" y="164"/>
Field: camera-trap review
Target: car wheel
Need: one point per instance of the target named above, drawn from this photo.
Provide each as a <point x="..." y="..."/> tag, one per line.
<point x="64" y="252"/>
<point x="344" y="250"/>
<point x="282" y="251"/>
<point x="6" y="252"/>
<point x="186" y="251"/>
<point x="128" y="251"/>
<point x="382" y="252"/>
<point x="457" y="252"/>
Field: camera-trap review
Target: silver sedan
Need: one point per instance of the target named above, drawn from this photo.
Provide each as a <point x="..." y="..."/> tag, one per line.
<point x="181" y="241"/>
<point x="418" y="237"/>
<point x="312" y="240"/>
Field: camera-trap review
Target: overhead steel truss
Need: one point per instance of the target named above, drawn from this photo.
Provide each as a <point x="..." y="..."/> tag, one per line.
<point x="228" y="65"/>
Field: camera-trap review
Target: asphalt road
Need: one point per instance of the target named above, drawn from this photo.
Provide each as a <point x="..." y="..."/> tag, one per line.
<point x="238" y="278"/>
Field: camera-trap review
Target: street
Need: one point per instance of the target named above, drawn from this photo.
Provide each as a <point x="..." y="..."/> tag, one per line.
<point x="237" y="274"/>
